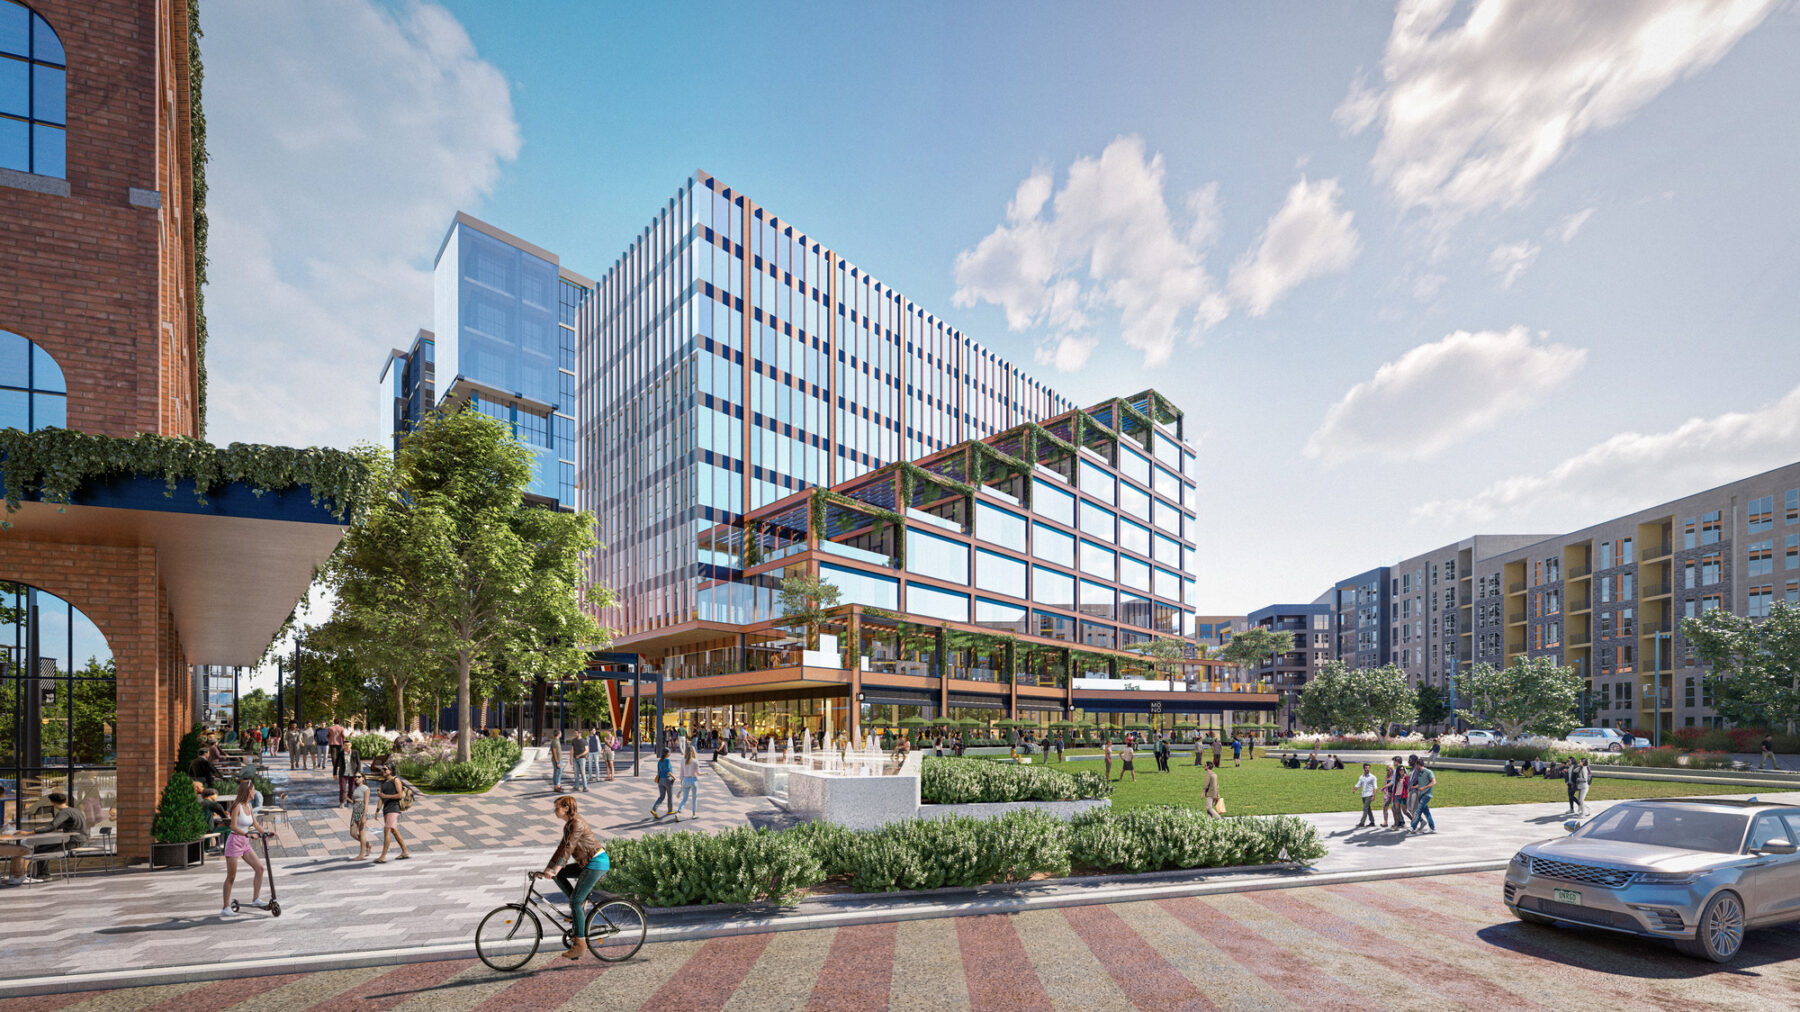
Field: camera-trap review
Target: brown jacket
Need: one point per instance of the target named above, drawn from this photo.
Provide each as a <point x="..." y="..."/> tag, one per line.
<point x="578" y="844"/>
<point x="1212" y="784"/>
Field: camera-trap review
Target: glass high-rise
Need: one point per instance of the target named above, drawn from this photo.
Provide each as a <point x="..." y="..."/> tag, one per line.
<point x="731" y="360"/>
<point x="505" y="313"/>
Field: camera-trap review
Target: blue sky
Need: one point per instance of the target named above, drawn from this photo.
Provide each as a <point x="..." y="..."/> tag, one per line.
<point x="1414" y="272"/>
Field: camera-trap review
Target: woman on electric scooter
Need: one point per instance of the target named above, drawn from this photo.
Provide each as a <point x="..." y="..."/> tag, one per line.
<point x="587" y="862"/>
<point x="243" y="823"/>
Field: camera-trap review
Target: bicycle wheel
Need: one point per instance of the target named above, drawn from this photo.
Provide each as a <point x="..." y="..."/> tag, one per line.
<point x="616" y="930"/>
<point x="508" y="937"/>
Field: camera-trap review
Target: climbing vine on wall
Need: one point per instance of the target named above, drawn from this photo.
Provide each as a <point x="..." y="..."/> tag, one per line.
<point x="197" y="202"/>
<point x="53" y="464"/>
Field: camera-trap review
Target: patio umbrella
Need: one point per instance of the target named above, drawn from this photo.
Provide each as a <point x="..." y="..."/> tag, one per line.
<point x="1138" y="725"/>
<point x="915" y="722"/>
<point x="1063" y="724"/>
<point x="1187" y="727"/>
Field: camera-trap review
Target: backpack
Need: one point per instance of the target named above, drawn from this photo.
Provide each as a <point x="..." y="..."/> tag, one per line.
<point x="406" y="795"/>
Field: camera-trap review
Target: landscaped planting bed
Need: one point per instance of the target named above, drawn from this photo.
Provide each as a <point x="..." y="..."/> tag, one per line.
<point x="947" y="781"/>
<point x="763" y="866"/>
<point x="432" y="765"/>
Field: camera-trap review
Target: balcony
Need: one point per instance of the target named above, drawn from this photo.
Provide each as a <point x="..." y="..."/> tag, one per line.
<point x="1580" y="572"/>
<point x="1651" y="552"/>
<point x="1579" y="604"/>
<point x="1515" y="617"/>
<point x="1659" y="588"/>
<point x="1516" y="587"/>
<point x="1578" y="639"/>
<point x="1515" y="646"/>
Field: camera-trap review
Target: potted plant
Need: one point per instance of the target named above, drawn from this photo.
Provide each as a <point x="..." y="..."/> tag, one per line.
<point x="179" y="830"/>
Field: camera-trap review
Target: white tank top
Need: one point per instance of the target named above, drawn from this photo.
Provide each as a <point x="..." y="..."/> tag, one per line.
<point x="243" y="821"/>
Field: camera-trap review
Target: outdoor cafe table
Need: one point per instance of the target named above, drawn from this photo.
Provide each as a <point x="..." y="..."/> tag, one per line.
<point x="33" y="841"/>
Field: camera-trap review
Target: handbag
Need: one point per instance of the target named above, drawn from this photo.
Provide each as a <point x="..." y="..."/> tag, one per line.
<point x="1219" y="806"/>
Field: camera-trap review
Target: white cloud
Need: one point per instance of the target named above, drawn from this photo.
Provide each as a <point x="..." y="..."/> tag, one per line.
<point x="1565" y="230"/>
<point x="1439" y="394"/>
<point x="344" y="136"/>
<point x="1512" y="259"/>
<point x="1426" y="287"/>
<point x="1359" y="108"/>
<point x="1473" y="113"/>
<point x="1309" y="237"/>
<point x="1107" y="241"/>
<point x="1632" y="470"/>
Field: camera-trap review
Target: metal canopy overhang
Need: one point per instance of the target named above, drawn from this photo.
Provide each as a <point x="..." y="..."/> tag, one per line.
<point x="234" y="567"/>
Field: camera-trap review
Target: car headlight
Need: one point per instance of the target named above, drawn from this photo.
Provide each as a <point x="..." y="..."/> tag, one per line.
<point x="1521" y="862"/>
<point x="1666" y="879"/>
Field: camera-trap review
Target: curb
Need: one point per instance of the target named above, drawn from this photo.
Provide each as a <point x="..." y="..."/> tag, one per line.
<point x="970" y="903"/>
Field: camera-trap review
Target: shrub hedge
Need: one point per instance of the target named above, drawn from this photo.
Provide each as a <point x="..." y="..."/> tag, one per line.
<point x="762" y="866"/>
<point x="947" y="781"/>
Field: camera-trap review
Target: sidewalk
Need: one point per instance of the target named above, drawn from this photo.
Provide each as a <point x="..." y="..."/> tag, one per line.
<point x="428" y="906"/>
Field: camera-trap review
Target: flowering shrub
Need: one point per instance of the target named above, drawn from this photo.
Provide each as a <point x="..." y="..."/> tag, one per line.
<point x="1327" y="742"/>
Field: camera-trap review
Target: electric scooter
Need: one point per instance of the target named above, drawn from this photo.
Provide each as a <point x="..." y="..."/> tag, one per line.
<point x="274" y="907"/>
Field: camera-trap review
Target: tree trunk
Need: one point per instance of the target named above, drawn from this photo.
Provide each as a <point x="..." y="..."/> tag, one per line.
<point x="399" y="707"/>
<point x="463" y="740"/>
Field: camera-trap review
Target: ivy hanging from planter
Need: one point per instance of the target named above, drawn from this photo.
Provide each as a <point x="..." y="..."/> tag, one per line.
<point x="53" y="464"/>
<point x="1145" y="426"/>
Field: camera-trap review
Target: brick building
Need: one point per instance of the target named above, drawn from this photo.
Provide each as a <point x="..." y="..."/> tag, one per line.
<point x="106" y="602"/>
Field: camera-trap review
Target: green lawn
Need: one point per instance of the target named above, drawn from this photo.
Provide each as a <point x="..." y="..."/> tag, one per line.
<point x="1267" y="788"/>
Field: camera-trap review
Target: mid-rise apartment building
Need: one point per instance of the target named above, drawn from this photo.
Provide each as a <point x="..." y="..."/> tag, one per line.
<point x="505" y="313"/>
<point x="736" y="359"/>
<point x="1287" y="674"/>
<point x="1430" y="607"/>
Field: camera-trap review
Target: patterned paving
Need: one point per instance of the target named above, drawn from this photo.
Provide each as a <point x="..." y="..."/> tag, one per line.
<point x="515" y="812"/>
<point x="1427" y="944"/>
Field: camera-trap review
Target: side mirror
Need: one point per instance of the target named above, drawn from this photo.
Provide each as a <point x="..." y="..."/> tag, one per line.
<point x="1778" y="847"/>
<point x="1572" y="825"/>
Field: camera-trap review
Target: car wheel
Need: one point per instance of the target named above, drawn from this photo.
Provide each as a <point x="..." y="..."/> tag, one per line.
<point x="1720" y="932"/>
<point x="1615" y="747"/>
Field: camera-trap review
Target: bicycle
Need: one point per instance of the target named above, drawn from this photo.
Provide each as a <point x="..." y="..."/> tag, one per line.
<point x="615" y="928"/>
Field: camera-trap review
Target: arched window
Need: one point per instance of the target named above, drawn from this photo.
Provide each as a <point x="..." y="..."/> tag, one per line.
<point x="32" y="392"/>
<point x="58" y="706"/>
<point x="33" y="125"/>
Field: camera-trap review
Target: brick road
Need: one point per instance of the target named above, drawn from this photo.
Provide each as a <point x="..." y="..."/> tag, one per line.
<point x="1424" y="943"/>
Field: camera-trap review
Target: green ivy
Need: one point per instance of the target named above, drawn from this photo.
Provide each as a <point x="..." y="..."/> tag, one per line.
<point x="197" y="202"/>
<point x="53" y="464"/>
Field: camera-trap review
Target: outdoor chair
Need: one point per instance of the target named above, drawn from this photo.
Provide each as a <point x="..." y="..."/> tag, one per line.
<point x="104" y="846"/>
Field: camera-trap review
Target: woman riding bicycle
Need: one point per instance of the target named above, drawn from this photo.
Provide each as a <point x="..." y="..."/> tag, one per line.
<point x="587" y="862"/>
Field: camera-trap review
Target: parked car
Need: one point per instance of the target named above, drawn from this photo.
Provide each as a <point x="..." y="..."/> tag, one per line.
<point x="1605" y="739"/>
<point x="1475" y="737"/>
<point x="1698" y="872"/>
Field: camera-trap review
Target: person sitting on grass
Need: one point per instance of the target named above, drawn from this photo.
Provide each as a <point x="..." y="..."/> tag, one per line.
<point x="1511" y="770"/>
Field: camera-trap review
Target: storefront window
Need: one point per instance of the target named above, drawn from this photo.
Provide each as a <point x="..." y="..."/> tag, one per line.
<point x="58" y="706"/>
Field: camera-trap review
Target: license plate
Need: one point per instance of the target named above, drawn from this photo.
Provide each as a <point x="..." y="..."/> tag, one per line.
<point x="1569" y="896"/>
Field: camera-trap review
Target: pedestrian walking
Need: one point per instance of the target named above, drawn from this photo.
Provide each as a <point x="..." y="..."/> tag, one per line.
<point x="237" y="847"/>
<point x="1365" y="787"/>
<point x="665" y="786"/>
<point x="291" y="741"/>
<point x="335" y="738"/>
<point x="1768" y="753"/>
<point x="1126" y="765"/>
<point x="1059" y="746"/>
<point x="1218" y="751"/>
<point x="1583" y="778"/>
<point x="359" y="815"/>
<point x="1214" y="803"/>
<point x="321" y="744"/>
<point x="578" y="755"/>
<point x="556" y="765"/>
<point x="1569" y="775"/>
<point x="607" y="747"/>
<point x="1397" y="778"/>
<point x="690" y="785"/>
<point x="393" y="798"/>
<point x="1419" y="790"/>
<point x="593" y="747"/>
<point x="1237" y="750"/>
<point x="1106" y="756"/>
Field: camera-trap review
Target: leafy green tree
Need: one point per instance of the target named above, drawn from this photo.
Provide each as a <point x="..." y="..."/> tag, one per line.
<point x="1533" y="696"/>
<point x="1433" y="708"/>
<point x="1753" y="665"/>
<point x="1164" y="653"/>
<point x="256" y="708"/>
<point x="449" y="555"/>
<point x="1359" y="699"/>
<point x="589" y="703"/>
<point x="1252" y="646"/>
<point x="805" y="602"/>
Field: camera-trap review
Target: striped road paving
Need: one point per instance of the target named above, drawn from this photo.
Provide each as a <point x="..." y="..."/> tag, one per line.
<point x="1424" y="943"/>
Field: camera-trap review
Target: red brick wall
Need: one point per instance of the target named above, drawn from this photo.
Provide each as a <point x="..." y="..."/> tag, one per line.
<point x="120" y="590"/>
<point x="105" y="286"/>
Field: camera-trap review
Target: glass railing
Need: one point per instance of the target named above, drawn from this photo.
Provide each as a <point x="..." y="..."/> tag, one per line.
<point x="852" y="552"/>
<point x="1515" y="587"/>
<point x="1655" y="551"/>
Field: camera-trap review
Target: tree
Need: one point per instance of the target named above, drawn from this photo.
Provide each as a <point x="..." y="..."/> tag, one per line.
<point x="1256" y="644"/>
<point x="1753" y="666"/>
<point x="255" y="708"/>
<point x="1533" y="696"/>
<point x="589" y="703"/>
<point x="449" y="555"/>
<point x="1163" y="652"/>
<point x="805" y="602"/>
<point x="1433" y="708"/>
<point x="1360" y="699"/>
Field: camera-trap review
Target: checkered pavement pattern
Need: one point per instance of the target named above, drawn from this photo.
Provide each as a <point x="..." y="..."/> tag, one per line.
<point x="1424" y="943"/>
<point x="515" y="812"/>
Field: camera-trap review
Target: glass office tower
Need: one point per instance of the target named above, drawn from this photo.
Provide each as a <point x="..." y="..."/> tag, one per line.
<point x="505" y="313"/>
<point x="732" y="360"/>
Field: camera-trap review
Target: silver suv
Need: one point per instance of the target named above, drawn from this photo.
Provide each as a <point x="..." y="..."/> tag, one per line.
<point x="1698" y="872"/>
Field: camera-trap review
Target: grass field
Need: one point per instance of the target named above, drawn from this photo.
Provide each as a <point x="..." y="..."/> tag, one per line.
<point x="1264" y="787"/>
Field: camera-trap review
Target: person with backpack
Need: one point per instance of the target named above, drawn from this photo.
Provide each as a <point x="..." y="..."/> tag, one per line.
<point x="396" y="797"/>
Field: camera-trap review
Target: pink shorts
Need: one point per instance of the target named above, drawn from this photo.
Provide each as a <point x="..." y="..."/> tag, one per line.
<point x="237" y="845"/>
<point x="390" y="819"/>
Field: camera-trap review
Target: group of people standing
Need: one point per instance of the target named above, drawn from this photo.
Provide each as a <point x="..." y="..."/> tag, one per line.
<point x="587" y="755"/>
<point x="1406" y="793"/>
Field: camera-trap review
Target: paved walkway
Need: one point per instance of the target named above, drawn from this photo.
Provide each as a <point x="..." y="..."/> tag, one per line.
<point x="1425" y="944"/>
<point x="334" y="905"/>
